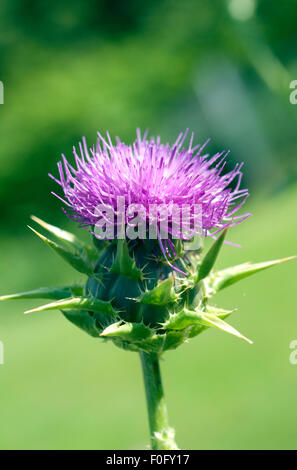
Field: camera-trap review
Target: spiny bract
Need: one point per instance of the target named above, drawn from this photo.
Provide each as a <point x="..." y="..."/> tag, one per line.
<point x="137" y="301"/>
<point x="140" y="297"/>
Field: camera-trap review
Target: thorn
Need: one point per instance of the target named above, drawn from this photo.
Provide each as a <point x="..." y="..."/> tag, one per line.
<point x="31" y="311"/>
<point x="289" y="258"/>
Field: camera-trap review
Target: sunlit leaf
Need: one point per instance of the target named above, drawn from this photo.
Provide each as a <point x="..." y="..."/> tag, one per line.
<point x="78" y="303"/>
<point x="72" y="240"/>
<point x="75" y="260"/>
<point x="225" y="278"/>
<point x="54" y="293"/>
<point x="211" y="256"/>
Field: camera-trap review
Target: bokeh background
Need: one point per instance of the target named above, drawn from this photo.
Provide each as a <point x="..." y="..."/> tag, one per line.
<point x="221" y="68"/>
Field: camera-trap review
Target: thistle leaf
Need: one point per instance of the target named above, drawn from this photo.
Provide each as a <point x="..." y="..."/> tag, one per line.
<point x="72" y="240"/>
<point x="123" y="263"/>
<point x="79" y="303"/>
<point x="211" y="320"/>
<point x="54" y="293"/>
<point x="211" y="256"/>
<point x="182" y="319"/>
<point x="75" y="260"/>
<point x="225" y="278"/>
<point x="186" y="318"/>
<point x="154" y="343"/>
<point x="83" y="320"/>
<point x="219" y="312"/>
<point x="175" y="338"/>
<point x="127" y="331"/>
<point x="162" y="294"/>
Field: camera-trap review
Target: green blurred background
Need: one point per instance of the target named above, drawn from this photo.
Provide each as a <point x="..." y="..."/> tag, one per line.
<point x="221" y="68"/>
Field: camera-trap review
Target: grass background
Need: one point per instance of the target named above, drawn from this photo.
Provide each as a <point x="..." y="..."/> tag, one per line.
<point x="61" y="389"/>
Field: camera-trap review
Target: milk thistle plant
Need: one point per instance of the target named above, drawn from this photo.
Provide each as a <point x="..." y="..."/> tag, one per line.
<point x="149" y="284"/>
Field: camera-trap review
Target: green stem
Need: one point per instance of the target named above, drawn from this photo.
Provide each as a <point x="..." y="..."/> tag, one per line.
<point x="162" y="436"/>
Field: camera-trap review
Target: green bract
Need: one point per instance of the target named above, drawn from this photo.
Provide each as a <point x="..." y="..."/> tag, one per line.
<point x="135" y="299"/>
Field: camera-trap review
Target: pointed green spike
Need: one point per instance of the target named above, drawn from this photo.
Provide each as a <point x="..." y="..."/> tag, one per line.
<point x="219" y="312"/>
<point x="211" y="320"/>
<point x="123" y="263"/>
<point x="79" y="303"/>
<point x="127" y="331"/>
<point x="211" y="256"/>
<point x="72" y="240"/>
<point x="54" y="293"/>
<point x="225" y="278"/>
<point x="75" y="260"/>
<point x="186" y="318"/>
<point x="162" y="294"/>
<point x="83" y="320"/>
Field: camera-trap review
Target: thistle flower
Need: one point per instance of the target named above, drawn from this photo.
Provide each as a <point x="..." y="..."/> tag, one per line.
<point x="149" y="173"/>
<point x="134" y="295"/>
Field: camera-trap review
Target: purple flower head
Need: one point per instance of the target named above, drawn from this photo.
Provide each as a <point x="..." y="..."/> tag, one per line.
<point x="149" y="173"/>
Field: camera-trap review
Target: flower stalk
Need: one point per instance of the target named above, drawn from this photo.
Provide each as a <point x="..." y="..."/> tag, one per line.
<point x="162" y="436"/>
